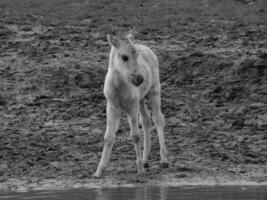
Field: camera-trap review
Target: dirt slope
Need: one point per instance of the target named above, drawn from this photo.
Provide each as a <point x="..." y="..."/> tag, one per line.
<point x="53" y="59"/>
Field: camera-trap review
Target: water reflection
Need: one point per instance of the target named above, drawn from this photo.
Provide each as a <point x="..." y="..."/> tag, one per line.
<point x="147" y="193"/>
<point x="138" y="193"/>
<point x="183" y="193"/>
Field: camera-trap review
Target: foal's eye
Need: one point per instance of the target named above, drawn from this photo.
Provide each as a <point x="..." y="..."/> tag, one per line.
<point x="125" y="58"/>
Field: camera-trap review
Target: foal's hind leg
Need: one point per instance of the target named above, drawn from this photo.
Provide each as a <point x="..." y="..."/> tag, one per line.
<point x="135" y="135"/>
<point x="159" y="121"/>
<point x="113" y="120"/>
<point x="146" y="125"/>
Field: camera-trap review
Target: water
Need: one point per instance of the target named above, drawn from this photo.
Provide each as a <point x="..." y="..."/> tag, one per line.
<point x="146" y="193"/>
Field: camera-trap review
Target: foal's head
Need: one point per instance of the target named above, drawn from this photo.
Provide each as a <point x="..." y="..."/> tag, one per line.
<point x="125" y="59"/>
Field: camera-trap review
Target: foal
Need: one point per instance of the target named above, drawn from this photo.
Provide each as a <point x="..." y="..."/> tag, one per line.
<point x="133" y="74"/>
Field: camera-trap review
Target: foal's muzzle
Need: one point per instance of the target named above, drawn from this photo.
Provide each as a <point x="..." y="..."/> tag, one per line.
<point x="137" y="79"/>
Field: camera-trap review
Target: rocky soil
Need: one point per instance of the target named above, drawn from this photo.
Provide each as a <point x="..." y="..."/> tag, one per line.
<point x="213" y="65"/>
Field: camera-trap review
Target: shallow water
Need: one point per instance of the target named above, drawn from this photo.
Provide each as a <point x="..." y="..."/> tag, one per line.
<point x="146" y="193"/>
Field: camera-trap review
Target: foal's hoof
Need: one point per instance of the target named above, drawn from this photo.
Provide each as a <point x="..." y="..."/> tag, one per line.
<point x="96" y="176"/>
<point x="146" y="165"/>
<point x="164" y="165"/>
<point x="141" y="172"/>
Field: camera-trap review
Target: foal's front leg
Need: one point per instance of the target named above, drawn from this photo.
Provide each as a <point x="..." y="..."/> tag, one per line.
<point x="113" y="120"/>
<point x="136" y="136"/>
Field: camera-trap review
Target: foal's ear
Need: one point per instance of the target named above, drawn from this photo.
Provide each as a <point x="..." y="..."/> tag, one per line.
<point x="132" y="33"/>
<point x="113" y="41"/>
<point x="131" y="36"/>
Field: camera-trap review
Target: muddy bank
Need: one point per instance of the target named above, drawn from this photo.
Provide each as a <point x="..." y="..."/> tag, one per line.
<point x="52" y="110"/>
<point x="22" y="185"/>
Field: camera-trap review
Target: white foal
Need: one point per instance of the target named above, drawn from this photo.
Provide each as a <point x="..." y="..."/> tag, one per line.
<point x="133" y="74"/>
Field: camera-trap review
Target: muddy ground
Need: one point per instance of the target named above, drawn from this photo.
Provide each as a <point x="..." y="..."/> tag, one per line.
<point x="213" y="65"/>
